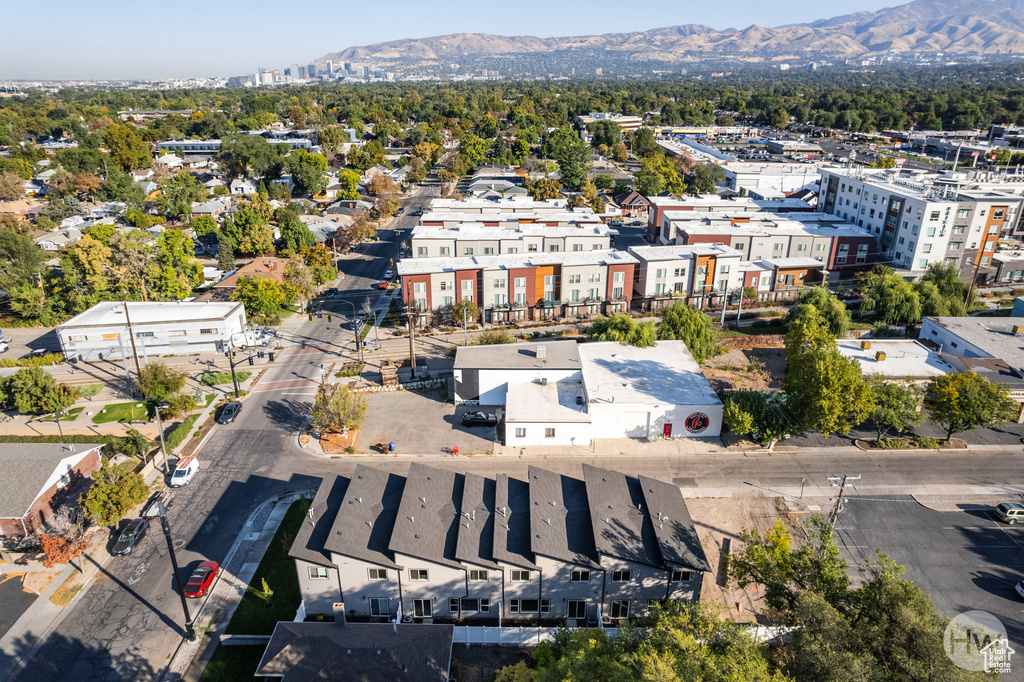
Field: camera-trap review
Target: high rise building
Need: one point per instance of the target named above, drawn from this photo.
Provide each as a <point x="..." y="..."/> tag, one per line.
<point x="303" y="73"/>
<point x="330" y="68"/>
<point x="311" y="70"/>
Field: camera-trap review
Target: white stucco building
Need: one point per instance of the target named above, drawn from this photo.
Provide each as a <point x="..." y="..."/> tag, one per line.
<point x="160" y="328"/>
<point x="564" y="393"/>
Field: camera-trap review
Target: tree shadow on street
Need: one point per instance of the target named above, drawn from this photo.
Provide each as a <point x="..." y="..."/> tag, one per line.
<point x="62" y="658"/>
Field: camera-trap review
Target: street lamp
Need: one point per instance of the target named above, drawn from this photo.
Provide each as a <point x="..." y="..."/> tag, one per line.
<point x="158" y="510"/>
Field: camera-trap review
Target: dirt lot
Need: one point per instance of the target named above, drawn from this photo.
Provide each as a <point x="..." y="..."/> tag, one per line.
<point x="718" y="522"/>
<point x="756" y="369"/>
<point x="482" y="663"/>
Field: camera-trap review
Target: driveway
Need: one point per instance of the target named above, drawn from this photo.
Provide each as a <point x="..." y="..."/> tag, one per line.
<point x="421" y="424"/>
<point x="14" y="601"/>
<point x="964" y="560"/>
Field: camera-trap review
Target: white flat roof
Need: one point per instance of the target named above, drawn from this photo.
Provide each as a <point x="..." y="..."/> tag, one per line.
<point x="551" y="402"/>
<point x="111" y="313"/>
<point x="663" y="373"/>
<point x="795" y="262"/>
<point x="903" y="359"/>
<point x="516" y="231"/>
<point x="422" y="266"/>
<point x="505" y="217"/>
<point x="674" y="252"/>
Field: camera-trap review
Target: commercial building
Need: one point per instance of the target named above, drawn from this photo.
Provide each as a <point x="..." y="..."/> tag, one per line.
<point x="896" y="359"/>
<point x="212" y="147"/>
<point x="440" y="546"/>
<point x="520" y="286"/>
<point x="38" y="478"/>
<point x="563" y="393"/>
<point x="781" y="177"/>
<point x="627" y="123"/>
<point x="175" y="328"/>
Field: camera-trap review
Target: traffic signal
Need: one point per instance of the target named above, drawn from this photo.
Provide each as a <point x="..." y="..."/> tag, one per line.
<point x="251" y="360"/>
<point x="259" y="354"/>
<point x="271" y="357"/>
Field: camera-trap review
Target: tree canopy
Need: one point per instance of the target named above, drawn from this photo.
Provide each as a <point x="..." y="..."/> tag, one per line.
<point x="624" y="329"/>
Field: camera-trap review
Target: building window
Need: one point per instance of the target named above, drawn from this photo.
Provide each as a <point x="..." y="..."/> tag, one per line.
<point x="499" y="284"/>
<point x="421" y="608"/>
<point x="622" y="576"/>
<point x="421" y="251"/>
<point x="467" y="251"/>
<point x="447" y="301"/>
<point x="520" y="433"/>
<point x="477" y="576"/>
<point x="379" y="607"/>
<point x="617" y="292"/>
<point x="680" y="577"/>
<point x="545" y="605"/>
<point x="78" y="339"/>
<point x="574" y="295"/>
<point x="961" y="213"/>
<point x="520" y="576"/>
<point x="934" y="215"/>
<point x="528" y="605"/>
<point x="144" y="335"/>
<point x="467" y="285"/>
<point x="553" y="248"/>
<point x="418" y="574"/>
<point x="580" y="576"/>
<point x="549" y="433"/>
<point x="577" y="609"/>
<point x="926" y="248"/>
<point x="488" y="250"/>
<point x="207" y="331"/>
<point x="955" y="246"/>
<point x="177" y="332"/>
<point x="930" y="232"/>
<point x="577" y="247"/>
<point x="419" y="287"/>
<point x="378" y="574"/>
<point x="520" y="281"/>
<point x="445" y="251"/>
<point x="819" y="247"/>
<point x="620" y="609"/>
<point x="500" y="299"/>
<point x="512" y="249"/>
<point x="680" y="272"/>
<point x="453" y="605"/>
<point x="801" y="247"/>
<point x="659" y="273"/>
<point x="958" y="229"/>
<point x="317" y="572"/>
<point x="594" y="277"/>
<point x="531" y="247"/>
<point x="574" y="279"/>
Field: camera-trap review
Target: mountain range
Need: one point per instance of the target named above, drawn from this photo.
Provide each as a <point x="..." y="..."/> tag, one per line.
<point x="953" y="27"/>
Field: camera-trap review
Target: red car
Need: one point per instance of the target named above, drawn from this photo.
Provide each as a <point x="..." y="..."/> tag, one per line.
<point x="382" y="285"/>
<point x="201" y="579"/>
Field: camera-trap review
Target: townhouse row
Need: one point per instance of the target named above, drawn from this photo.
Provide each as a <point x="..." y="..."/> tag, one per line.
<point x="436" y="544"/>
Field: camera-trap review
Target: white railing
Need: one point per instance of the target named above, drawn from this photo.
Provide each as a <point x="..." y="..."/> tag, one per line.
<point x="509" y="636"/>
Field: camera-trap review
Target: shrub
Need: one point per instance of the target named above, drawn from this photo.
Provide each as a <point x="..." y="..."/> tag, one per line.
<point x="927" y="443"/>
<point x="177" y="436"/>
<point x="89" y="390"/>
<point x="35" y="361"/>
<point x="892" y="443"/>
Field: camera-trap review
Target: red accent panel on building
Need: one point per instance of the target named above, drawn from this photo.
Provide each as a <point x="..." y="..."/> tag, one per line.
<point x="627" y="280"/>
<point x="408" y="289"/>
<point x="472" y="276"/>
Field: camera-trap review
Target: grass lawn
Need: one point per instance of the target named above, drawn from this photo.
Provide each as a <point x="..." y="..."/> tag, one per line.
<point x="364" y="332"/>
<point x="230" y="663"/>
<point x="219" y="378"/>
<point x="69" y="417"/>
<point x="123" y="412"/>
<point x="253" y="617"/>
<point x="289" y="310"/>
<point x="89" y="390"/>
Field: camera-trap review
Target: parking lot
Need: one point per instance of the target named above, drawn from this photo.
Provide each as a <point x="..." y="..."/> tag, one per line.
<point x="965" y="560"/>
<point x="421" y="424"/>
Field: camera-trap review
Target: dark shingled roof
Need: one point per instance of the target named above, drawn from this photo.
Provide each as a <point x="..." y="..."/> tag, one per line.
<point x="358" y="652"/>
<point x="512" y="523"/>
<point x="619" y="517"/>
<point x="476" y="523"/>
<point x="363" y="525"/>
<point x="560" y="519"/>
<point x="26" y="467"/>
<point x="427" y="524"/>
<point x="672" y="525"/>
<point x="316" y="528"/>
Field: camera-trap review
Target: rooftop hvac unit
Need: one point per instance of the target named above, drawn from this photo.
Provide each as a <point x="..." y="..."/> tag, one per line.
<point x="542" y="352"/>
<point x="865" y="345"/>
<point x="880" y="356"/>
<point x="1018" y="329"/>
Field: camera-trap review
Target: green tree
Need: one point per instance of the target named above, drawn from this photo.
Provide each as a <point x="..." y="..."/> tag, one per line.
<point x="891" y="297"/>
<point x="572" y="155"/>
<point x="349" y="181"/>
<point x="704" y="178"/>
<point x="174" y="272"/>
<point x="543" y="188"/>
<point x="761" y="417"/>
<point x="897" y="405"/>
<point x="953" y="292"/>
<point x="644" y="144"/>
<point x="826" y="304"/>
<point x="250" y="229"/>
<point x="331" y="139"/>
<point x="249" y="156"/>
<point x="177" y="194"/>
<point x="262" y="298"/>
<point x="127" y="149"/>
<point x="605" y="132"/>
<point x="11" y="186"/>
<point x="204" y="224"/>
<point x="114" y="492"/>
<point x="225" y="253"/>
<point x="121" y="187"/>
<point x="473" y="149"/>
<point x="624" y="329"/>
<point x="963" y="401"/>
<point x="520" y="150"/>
<point x="685" y="323"/>
<point x="826" y="391"/>
<point x="604" y="181"/>
<point x="158" y="382"/>
<point x="487" y="126"/>
<point x="666" y="170"/>
<point x="298" y="280"/>
<point x="338" y="409"/>
<point x="35" y="391"/>
<point x="309" y="172"/>
<point x="134" y="444"/>
<point x="466" y="309"/>
<point x="649" y="183"/>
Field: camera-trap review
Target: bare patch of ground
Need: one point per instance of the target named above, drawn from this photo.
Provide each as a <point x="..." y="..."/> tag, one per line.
<point x="757" y="369"/>
<point x="38" y="581"/>
<point x="719" y="522"/>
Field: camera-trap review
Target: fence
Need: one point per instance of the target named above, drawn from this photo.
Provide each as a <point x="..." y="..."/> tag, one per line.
<point x="509" y="636"/>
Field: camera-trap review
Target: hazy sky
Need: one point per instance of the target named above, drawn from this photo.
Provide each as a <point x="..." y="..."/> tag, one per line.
<point x="105" y="39"/>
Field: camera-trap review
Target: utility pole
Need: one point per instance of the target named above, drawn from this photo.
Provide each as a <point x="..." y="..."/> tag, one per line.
<point x="465" y="329"/>
<point x="725" y="303"/>
<point x="412" y="341"/>
<point x="163" y="445"/>
<point x="974" y="278"/>
<point x="837" y="506"/>
<point x="230" y="355"/>
<point x="190" y="632"/>
<point x="131" y="335"/>
<point x="739" y="312"/>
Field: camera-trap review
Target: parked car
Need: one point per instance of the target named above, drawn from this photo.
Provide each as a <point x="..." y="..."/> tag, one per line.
<point x="388" y="274"/>
<point x="479" y="419"/>
<point x="229" y="412"/>
<point x="201" y="579"/>
<point x="331" y="293"/>
<point x="4" y="345"/>
<point x="1009" y="512"/>
<point x="184" y="472"/>
<point x="130" y="536"/>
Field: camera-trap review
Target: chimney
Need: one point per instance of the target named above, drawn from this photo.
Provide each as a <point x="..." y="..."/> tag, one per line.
<point x="339" y="613"/>
<point x="880" y="356"/>
<point x="865" y="345"/>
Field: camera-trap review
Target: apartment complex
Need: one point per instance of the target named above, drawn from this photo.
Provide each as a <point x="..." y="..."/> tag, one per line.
<point x="520" y="286"/>
<point x="473" y="239"/>
<point x="921" y="219"/>
<point x="659" y="227"/>
<point x="440" y="545"/>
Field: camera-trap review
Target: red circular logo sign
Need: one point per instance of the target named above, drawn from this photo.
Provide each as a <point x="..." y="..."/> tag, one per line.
<point x="697" y="422"/>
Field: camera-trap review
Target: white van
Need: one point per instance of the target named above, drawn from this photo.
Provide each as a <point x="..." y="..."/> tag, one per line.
<point x="185" y="470"/>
